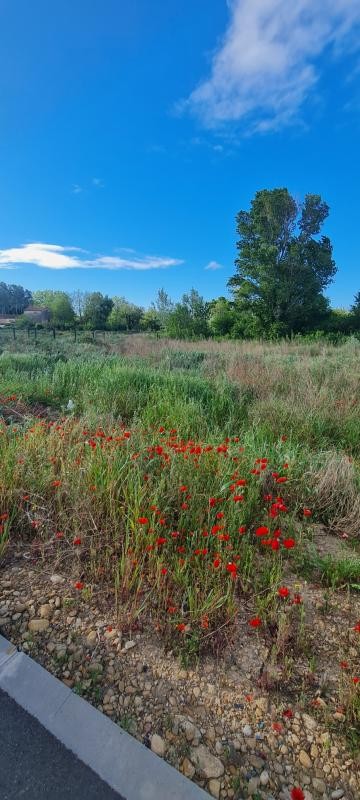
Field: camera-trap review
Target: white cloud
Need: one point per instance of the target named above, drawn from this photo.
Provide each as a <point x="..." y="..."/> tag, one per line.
<point x="54" y="256"/>
<point x="76" y="189"/>
<point x="268" y="61"/>
<point x="98" y="182"/>
<point x="213" y="265"/>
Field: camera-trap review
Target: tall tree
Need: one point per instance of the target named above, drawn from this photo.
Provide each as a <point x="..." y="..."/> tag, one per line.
<point x="97" y="309"/>
<point x="283" y="265"/>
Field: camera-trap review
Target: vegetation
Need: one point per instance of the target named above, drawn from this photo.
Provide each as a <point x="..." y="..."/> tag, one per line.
<point x="282" y="270"/>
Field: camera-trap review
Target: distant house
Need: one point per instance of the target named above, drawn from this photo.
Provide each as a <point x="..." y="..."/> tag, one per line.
<point x="6" y="320"/>
<point x="37" y="314"/>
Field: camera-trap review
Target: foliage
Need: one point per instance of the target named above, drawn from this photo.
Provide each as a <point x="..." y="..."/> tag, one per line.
<point x="59" y="305"/>
<point x="282" y="269"/>
<point x="124" y="316"/>
<point x="13" y="299"/>
<point x="96" y="310"/>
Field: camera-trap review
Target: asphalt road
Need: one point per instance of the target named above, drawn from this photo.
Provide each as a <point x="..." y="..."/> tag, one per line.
<point x="36" y="766"/>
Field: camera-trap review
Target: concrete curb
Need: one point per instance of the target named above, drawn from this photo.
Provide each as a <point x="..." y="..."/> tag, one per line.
<point x="119" y="760"/>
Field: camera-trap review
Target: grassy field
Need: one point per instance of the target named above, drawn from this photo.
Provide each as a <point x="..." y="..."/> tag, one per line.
<point x="190" y="478"/>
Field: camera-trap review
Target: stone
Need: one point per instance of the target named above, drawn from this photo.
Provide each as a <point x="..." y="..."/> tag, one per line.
<point x="337" y="794"/>
<point x="305" y="759"/>
<point x="45" y="611"/>
<point x="319" y="785"/>
<point x="157" y="745"/>
<point x="214" y="788"/>
<point x="188" y="768"/>
<point x="247" y="730"/>
<point x="309" y="722"/>
<point x="38" y="625"/>
<point x="253" y="786"/>
<point x="264" y="778"/>
<point x="91" y="639"/>
<point x="208" y="765"/>
<point x="129" y="645"/>
<point x="56" y="579"/>
<point x="192" y="733"/>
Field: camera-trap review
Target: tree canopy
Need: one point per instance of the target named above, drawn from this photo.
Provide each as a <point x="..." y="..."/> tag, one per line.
<point x="283" y="266"/>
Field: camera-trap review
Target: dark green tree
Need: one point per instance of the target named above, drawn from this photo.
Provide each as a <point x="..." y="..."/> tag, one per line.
<point x="96" y="310"/>
<point x="283" y="266"/>
<point x="189" y="319"/>
<point x="355" y="313"/>
<point x="222" y="317"/>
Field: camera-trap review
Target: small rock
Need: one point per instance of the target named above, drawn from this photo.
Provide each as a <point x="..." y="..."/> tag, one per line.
<point x="214" y="788"/>
<point x="319" y="785"/>
<point x="129" y="645"/>
<point x="38" y="625"/>
<point x="264" y="778"/>
<point x="253" y="786"/>
<point x="56" y="579"/>
<point x="91" y="639"/>
<point x="304" y="759"/>
<point x="157" y="744"/>
<point x="247" y="730"/>
<point x="45" y="611"/>
<point x="337" y="794"/>
<point x="208" y="765"/>
<point x="188" y="768"/>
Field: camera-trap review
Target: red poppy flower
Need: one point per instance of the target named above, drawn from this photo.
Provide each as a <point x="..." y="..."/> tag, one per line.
<point x="212" y="502"/>
<point x="281" y="480"/>
<point x="216" y="562"/>
<point x="171" y="610"/>
<point x="307" y="512"/>
<point x="275" y="544"/>
<point x="59" y="535"/>
<point x="297" y="793"/>
<point x="161" y="540"/>
<point x="219" y="515"/>
<point x="344" y="665"/>
<point x="297" y="599"/>
<point x="277" y="727"/>
<point x="283" y="591"/>
<point x="77" y="540"/>
<point x="231" y="567"/>
<point x="262" y="531"/>
<point x="241" y="482"/>
<point x="181" y="627"/>
<point x="356" y="680"/>
<point x="242" y="529"/>
<point x="238" y="498"/>
<point x="357" y="627"/>
<point x="143" y="520"/>
<point x="163" y="571"/>
<point x="289" y="543"/>
<point x="255" y="622"/>
<point x="79" y="585"/>
<point x="183" y="488"/>
<point x="56" y="484"/>
<point x="288" y="713"/>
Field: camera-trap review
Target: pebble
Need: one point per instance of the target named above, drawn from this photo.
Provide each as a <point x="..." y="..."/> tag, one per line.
<point x="305" y="759"/>
<point x="337" y="794"/>
<point x="38" y="625"/>
<point x="264" y="778"/>
<point x="205" y="763"/>
<point x="157" y="745"/>
<point x="247" y="730"/>
<point x="214" y="788"/>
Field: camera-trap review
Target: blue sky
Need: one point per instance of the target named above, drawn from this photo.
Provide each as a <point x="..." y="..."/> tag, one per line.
<point x="135" y="130"/>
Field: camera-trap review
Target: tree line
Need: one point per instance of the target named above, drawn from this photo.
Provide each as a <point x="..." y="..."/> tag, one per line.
<point x="283" y="266"/>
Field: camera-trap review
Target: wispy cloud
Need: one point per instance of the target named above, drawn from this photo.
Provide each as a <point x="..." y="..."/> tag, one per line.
<point x="213" y="265"/>
<point x="54" y="256"/>
<point x="76" y="189"/>
<point x="98" y="182"/>
<point x="268" y="62"/>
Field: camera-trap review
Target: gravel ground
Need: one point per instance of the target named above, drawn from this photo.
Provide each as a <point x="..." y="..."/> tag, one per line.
<point x="220" y="722"/>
